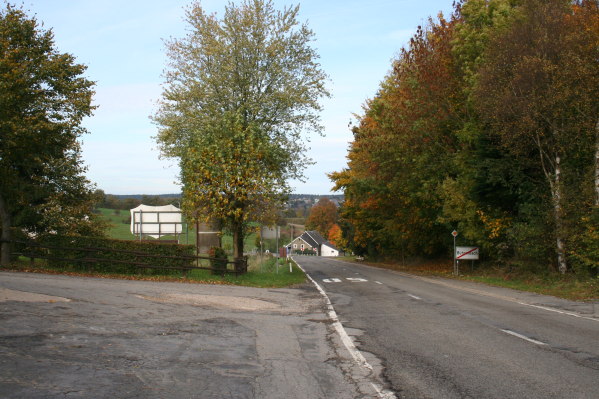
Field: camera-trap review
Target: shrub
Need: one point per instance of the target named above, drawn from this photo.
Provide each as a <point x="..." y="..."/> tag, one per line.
<point x="305" y="252"/>
<point x="218" y="261"/>
<point x="95" y="254"/>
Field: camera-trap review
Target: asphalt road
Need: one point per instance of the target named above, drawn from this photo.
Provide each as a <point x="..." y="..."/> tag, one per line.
<point x="70" y="337"/>
<point x="440" y="338"/>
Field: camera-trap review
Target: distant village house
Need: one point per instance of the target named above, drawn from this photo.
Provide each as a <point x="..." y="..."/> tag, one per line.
<point x="313" y="242"/>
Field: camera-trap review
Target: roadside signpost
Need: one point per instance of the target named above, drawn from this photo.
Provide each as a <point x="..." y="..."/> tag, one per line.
<point x="455" y="267"/>
<point x="462" y="253"/>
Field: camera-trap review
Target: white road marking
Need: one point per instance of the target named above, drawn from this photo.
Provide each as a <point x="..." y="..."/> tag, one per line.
<point x="331" y="280"/>
<point x="378" y="282"/>
<point x="557" y="311"/>
<point x="524" y="337"/>
<point x="502" y="297"/>
<point x="415" y="297"/>
<point x="356" y="279"/>
<point x="349" y="345"/>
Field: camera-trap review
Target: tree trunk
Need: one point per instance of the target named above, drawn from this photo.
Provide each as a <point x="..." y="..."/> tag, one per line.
<point x="240" y="261"/>
<point x="238" y="240"/>
<point x="556" y="195"/>
<point x="6" y="221"/>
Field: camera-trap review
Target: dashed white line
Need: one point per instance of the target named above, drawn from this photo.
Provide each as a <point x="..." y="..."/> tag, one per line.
<point x="524" y="337"/>
<point x="415" y="297"/>
<point x="378" y="282"/>
<point x="557" y="311"/>
<point x="502" y="297"/>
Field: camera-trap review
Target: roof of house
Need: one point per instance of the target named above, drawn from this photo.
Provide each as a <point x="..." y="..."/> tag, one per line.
<point x="315" y="240"/>
<point x="313" y="236"/>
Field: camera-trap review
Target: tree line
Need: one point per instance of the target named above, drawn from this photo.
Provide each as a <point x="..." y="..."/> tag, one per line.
<point x="487" y="123"/>
<point x="127" y="202"/>
<point x="240" y="93"/>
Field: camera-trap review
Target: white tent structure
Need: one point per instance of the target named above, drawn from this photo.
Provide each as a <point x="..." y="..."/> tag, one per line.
<point x="156" y="221"/>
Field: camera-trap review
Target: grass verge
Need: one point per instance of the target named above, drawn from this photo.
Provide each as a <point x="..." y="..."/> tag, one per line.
<point x="261" y="273"/>
<point x="568" y="286"/>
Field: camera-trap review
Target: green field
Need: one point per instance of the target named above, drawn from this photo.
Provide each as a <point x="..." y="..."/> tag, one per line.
<point x="119" y="224"/>
<point x="263" y="271"/>
<point x="120" y="229"/>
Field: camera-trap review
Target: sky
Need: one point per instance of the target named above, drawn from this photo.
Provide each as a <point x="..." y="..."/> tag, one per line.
<point x="122" y="44"/>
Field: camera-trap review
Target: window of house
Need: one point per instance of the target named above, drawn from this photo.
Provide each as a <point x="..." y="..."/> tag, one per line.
<point x="294" y="246"/>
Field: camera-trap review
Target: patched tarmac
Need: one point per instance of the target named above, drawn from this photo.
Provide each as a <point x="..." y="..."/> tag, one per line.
<point x="70" y="337"/>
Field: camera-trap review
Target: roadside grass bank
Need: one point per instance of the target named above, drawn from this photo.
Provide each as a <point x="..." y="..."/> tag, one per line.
<point x="262" y="273"/>
<point x="568" y="286"/>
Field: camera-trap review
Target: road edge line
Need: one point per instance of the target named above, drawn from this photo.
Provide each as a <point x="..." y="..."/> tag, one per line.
<point x="483" y="293"/>
<point x="349" y="344"/>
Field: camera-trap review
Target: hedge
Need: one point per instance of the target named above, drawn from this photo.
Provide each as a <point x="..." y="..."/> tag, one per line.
<point x="70" y="252"/>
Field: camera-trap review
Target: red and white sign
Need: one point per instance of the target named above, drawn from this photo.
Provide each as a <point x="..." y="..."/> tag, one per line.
<point x="466" y="253"/>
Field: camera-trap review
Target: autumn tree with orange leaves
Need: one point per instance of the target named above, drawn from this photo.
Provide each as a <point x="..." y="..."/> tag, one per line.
<point x="322" y="217"/>
<point x="487" y="124"/>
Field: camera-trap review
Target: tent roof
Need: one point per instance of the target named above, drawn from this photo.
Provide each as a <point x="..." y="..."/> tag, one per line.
<point x="150" y="208"/>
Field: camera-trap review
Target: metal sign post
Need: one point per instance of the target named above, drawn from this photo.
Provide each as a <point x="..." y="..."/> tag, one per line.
<point x="455" y="265"/>
<point x="261" y="249"/>
<point x="141" y="216"/>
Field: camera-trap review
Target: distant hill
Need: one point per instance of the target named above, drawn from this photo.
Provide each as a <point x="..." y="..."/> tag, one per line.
<point x="292" y="197"/>
<point x="298" y="205"/>
<point x="139" y="196"/>
<point x="316" y="196"/>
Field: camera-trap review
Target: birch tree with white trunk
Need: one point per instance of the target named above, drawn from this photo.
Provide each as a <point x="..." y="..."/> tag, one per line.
<point x="539" y="89"/>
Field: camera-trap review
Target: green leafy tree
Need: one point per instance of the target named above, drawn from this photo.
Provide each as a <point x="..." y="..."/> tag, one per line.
<point x="43" y="99"/>
<point x="538" y="89"/>
<point x="240" y="92"/>
<point x="479" y="194"/>
<point x="487" y="123"/>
